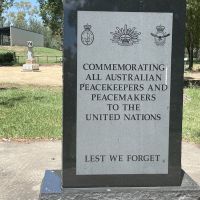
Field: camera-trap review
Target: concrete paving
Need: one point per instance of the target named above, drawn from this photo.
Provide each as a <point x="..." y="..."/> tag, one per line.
<point x="22" y="166"/>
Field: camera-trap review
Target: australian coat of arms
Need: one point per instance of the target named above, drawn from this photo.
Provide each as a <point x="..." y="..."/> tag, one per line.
<point x="160" y="36"/>
<point x="125" y="36"/>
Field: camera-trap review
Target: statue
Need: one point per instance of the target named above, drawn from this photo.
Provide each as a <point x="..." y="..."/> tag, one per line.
<point x="30" y="50"/>
<point x="31" y="64"/>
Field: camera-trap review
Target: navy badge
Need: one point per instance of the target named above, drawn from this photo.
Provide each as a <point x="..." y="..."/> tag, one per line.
<point x="87" y="36"/>
<point x="125" y="36"/>
<point x="160" y="36"/>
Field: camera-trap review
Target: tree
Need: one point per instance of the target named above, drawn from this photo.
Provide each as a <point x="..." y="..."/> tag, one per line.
<point x="52" y="15"/>
<point x="4" y="4"/>
<point x="192" y="29"/>
<point x="23" y="14"/>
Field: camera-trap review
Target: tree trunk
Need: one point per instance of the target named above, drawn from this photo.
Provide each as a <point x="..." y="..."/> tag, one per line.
<point x="196" y="52"/>
<point x="191" y="56"/>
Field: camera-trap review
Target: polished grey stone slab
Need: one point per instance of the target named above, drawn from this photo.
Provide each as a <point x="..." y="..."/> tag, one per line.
<point x="72" y="146"/>
<point x="51" y="189"/>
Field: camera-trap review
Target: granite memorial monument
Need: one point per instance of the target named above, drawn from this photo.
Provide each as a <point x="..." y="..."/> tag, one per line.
<point x="123" y="98"/>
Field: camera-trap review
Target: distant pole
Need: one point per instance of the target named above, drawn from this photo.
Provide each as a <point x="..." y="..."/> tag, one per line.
<point x="11" y="40"/>
<point x="1" y="21"/>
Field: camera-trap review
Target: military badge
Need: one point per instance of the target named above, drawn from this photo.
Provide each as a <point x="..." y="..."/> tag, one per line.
<point x="125" y="36"/>
<point x="160" y="36"/>
<point x="87" y="36"/>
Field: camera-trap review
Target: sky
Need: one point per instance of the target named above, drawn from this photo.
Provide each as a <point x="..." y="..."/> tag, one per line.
<point x="12" y="9"/>
<point x="34" y="2"/>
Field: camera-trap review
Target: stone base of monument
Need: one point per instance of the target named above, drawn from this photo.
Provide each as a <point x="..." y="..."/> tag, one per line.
<point x="31" y="65"/>
<point x="51" y="189"/>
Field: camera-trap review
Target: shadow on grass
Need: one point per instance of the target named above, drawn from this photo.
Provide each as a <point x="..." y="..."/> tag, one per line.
<point x="8" y="88"/>
<point x="191" y="83"/>
<point x="10" y="102"/>
<point x="38" y="98"/>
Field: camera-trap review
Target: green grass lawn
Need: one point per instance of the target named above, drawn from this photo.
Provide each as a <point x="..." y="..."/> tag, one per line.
<point x="191" y="115"/>
<point x="30" y="113"/>
<point x="38" y="51"/>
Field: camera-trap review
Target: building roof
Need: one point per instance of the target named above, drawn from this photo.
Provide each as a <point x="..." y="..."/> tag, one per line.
<point x="5" y="30"/>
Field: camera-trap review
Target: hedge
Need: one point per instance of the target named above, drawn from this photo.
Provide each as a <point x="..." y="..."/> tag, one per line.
<point x="7" y="58"/>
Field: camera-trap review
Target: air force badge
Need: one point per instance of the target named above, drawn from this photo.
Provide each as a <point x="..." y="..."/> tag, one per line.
<point x="160" y="36"/>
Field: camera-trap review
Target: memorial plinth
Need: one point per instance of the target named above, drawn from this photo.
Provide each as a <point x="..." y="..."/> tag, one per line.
<point x="51" y="189"/>
<point x="31" y="65"/>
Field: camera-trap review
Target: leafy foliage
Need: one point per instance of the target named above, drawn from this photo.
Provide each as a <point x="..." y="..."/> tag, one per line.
<point x="52" y="15"/>
<point x="192" y="28"/>
<point x="7" y="58"/>
<point x="4" y="4"/>
<point x="24" y="15"/>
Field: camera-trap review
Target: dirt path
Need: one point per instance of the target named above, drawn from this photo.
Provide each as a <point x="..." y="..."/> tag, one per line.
<point x="195" y="76"/>
<point x="47" y="76"/>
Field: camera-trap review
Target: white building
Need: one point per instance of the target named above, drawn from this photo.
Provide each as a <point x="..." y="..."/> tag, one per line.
<point x="13" y="36"/>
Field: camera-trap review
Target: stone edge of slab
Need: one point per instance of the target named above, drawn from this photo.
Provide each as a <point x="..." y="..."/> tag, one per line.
<point x="51" y="189"/>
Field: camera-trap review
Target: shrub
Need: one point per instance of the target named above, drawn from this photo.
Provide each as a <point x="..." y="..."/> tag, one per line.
<point x="7" y="58"/>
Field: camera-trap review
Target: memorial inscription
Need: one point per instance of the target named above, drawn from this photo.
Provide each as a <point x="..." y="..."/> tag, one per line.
<point x="123" y="93"/>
